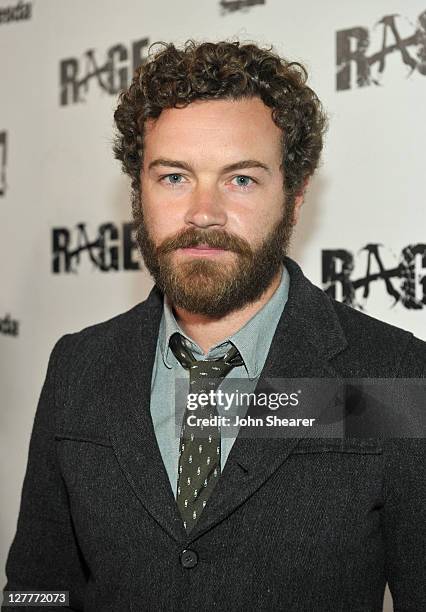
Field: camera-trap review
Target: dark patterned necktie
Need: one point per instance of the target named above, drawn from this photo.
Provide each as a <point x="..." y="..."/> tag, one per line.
<point x="199" y="451"/>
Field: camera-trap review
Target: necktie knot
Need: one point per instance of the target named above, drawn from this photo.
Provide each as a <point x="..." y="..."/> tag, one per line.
<point x="215" y="368"/>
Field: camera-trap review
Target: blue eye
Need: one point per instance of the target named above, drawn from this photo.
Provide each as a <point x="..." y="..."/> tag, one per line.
<point x="245" y="178"/>
<point x="174" y="175"/>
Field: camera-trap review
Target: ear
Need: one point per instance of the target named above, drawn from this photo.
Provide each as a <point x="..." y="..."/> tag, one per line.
<point x="299" y="199"/>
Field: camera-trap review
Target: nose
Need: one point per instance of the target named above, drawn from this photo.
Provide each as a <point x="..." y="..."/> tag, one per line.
<point x="206" y="208"/>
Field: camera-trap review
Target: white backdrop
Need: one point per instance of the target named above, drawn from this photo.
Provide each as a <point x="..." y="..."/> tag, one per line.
<point x="59" y="180"/>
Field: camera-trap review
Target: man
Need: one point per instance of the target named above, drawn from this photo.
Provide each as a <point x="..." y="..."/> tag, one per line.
<point x="220" y="140"/>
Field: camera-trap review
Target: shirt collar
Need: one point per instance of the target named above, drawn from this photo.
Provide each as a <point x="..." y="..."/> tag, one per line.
<point x="252" y="340"/>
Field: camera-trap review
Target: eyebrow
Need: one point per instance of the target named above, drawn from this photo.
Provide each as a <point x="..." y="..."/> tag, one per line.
<point x="239" y="165"/>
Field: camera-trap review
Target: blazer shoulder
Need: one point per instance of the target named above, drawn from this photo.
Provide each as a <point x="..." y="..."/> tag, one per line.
<point x="80" y="360"/>
<point x="388" y="349"/>
<point x="356" y="321"/>
<point x="73" y="349"/>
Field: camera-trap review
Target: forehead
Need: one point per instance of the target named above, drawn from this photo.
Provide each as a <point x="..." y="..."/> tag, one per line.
<point x="225" y="128"/>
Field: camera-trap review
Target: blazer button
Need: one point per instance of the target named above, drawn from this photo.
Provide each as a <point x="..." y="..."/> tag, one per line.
<point x="188" y="558"/>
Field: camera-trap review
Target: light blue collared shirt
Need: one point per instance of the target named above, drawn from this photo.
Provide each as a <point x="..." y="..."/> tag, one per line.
<point x="252" y="340"/>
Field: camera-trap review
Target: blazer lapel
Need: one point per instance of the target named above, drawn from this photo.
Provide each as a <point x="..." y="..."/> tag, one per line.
<point x="132" y="430"/>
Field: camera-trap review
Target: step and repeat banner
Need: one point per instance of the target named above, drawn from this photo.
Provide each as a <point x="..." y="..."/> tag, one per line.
<point x="67" y="254"/>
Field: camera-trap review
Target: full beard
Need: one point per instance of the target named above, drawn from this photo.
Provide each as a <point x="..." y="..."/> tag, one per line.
<point x="212" y="286"/>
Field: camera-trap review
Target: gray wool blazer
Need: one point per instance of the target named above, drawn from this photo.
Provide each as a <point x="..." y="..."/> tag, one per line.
<point x="295" y="524"/>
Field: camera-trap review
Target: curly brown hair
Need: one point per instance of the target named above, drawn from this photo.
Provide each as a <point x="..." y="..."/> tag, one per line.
<point x="173" y="78"/>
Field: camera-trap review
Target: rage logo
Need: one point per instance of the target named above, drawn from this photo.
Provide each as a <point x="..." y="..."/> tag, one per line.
<point x="382" y="276"/>
<point x="394" y="36"/>
<point x="110" y="250"/>
<point x="111" y="76"/>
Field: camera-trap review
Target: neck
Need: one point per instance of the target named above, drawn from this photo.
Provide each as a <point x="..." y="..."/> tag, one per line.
<point x="207" y="331"/>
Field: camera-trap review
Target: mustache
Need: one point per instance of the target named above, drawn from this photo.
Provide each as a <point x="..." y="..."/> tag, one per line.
<point x="218" y="239"/>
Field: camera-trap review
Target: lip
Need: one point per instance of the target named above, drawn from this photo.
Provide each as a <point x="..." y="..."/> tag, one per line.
<point x="203" y="250"/>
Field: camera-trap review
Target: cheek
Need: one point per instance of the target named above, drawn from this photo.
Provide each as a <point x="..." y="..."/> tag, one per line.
<point x="254" y="223"/>
<point x="243" y="224"/>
